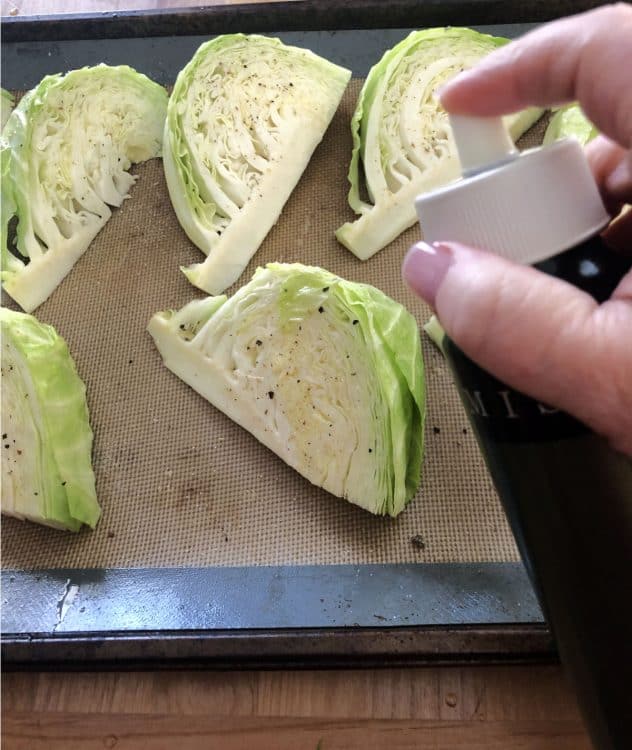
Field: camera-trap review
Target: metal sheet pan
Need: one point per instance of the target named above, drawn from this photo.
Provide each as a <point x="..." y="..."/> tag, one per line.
<point x="299" y="615"/>
<point x="300" y="15"/>
<point x="273" y="616"/>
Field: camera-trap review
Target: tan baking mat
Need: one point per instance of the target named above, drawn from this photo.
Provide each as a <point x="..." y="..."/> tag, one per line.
<point x="178" y="482"/>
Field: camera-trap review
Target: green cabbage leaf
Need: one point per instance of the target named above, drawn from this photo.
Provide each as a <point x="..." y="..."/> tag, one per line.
<point x="47" y="472"/>
<point x="402" y="142"/>
<point x="325" y="372"/>
<point x="570" y="122"/>
<point x="244" y="118"/>
<point x="66" y="149"/>
<point x="6" y="107"/>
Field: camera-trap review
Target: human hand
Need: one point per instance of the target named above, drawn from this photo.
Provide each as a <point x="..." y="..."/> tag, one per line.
<point x="571" y="348"/>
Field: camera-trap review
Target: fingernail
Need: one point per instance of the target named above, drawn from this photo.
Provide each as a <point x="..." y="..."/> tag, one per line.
<point x="425" y="267"/>
<point x="456" y="81"/>
<point x="438" y="93"/>
<point x="619" y="181"/>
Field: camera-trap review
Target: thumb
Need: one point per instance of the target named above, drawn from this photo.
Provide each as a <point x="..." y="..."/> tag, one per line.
<point x="534" y="332"/>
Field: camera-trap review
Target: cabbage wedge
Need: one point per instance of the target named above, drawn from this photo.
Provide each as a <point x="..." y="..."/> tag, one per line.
<point x="6" y="107"/>
<point x="46" y="437"/>
<point x="402" y="142"/>
<point x="570" y="122"/>
<point x="66" y="150"/>
<point x="244" y="118"/>
<point x="326" y="373"/>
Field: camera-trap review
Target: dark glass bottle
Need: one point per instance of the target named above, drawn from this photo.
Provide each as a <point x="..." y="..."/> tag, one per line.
<point x="568" y="497"/>
<point x="566" y="492"/>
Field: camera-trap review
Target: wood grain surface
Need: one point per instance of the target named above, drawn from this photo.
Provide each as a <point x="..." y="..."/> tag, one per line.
<point x="478" y="708"/>
<point x="34" y="7"/>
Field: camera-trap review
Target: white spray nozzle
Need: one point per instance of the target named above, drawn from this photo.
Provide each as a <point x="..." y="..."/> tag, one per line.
<point x="482" y="143"/>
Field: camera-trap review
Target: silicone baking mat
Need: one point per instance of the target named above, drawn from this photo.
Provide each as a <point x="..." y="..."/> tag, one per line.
<point x="178" y="482"/>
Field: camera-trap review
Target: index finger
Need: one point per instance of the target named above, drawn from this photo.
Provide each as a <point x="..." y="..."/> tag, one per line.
<point x="584" y="57"/>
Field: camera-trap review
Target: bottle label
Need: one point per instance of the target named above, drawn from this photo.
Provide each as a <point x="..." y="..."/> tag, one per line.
<point x="504" y="413"/>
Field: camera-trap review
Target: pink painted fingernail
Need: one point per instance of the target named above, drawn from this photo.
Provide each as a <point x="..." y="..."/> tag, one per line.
<point x="619" y="181"/>
<point x="455" y="82"/>
<point x="425" y="266"/>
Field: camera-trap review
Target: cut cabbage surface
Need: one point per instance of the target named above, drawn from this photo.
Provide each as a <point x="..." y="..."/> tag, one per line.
<point x="244" y="118"/>
<point x="47" y="472"/>
<point x="435" y="331"/>
<point x="402" y="142"/>
<point x="325" y="372"/>
<point x="66" y="150"/>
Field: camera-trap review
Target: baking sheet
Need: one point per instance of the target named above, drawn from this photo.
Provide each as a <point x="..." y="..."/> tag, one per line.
<point x="258" y="612"/>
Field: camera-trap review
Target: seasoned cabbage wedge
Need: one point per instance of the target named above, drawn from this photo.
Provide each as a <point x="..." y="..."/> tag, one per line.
<point x="244" y="118"/>
<point x="66" y="149"/>
<point x="325" y="372"/>
<point x="47" y="472"/>
<point x="402" y="142"/>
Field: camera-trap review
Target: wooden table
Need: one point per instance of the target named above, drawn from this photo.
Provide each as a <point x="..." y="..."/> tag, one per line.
<point x="478" y="708"/>
<point x="32" y="7"/>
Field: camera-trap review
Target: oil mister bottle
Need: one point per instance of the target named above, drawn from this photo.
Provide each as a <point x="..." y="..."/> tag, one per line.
<point x="566" y="492"/>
